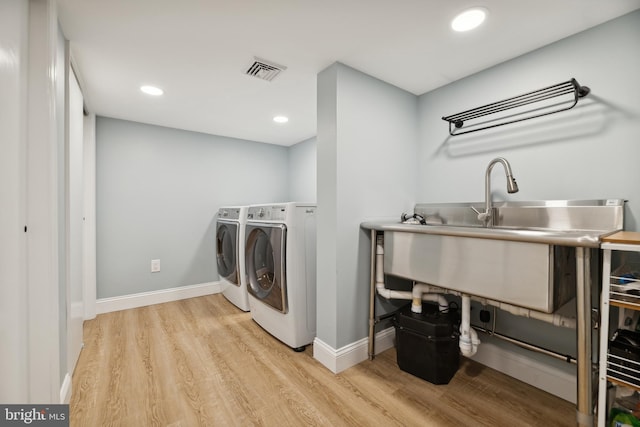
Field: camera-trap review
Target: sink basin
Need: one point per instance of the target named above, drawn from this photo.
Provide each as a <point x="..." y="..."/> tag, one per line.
<point x="527" y="259"/>
<point x="539" y="276"/>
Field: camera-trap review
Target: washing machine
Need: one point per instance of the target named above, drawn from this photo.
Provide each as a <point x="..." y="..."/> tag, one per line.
<point x="230" y="229"/>
<point x="280" y="266"/>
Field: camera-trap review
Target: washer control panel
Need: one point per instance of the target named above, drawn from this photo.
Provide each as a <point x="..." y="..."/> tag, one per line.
<point x="228" y="213"/>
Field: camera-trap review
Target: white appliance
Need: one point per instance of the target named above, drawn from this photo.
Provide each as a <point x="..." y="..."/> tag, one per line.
<point x="280" y="255"/>
<point x="230" y="229"/>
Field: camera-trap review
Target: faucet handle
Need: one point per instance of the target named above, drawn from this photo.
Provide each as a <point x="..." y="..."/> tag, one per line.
<point x="482" y="216"/>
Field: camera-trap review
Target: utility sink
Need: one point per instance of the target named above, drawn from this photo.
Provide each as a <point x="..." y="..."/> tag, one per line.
<point x="527" y="258"/>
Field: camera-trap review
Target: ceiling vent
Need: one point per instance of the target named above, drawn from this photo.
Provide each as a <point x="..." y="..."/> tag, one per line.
<point x="264" y="70"/>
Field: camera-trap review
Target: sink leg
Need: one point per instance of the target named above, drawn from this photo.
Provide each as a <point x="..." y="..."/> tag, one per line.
<point x="584" y="404"/>
<point x="372" y="298"/>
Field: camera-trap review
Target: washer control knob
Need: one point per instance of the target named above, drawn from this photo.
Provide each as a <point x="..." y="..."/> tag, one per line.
<point x="261" y="212"/>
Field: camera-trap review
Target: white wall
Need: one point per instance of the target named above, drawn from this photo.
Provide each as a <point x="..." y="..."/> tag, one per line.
<point x="62" y="193"/>
<point x="302" y="171"/>
<point x="31" y="308"/>
<point x="13" y="292"/>
<point x="75" y="222"/>
<point x="89" y="197"/>
<point x="42" y="199"/>
<point x="158" y="190"/>
<point x="366" y="143"/>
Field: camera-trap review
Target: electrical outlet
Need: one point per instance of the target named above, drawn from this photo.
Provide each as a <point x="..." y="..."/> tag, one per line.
<point x="155" y="265"/>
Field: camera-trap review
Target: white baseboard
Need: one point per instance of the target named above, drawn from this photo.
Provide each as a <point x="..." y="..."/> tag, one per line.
<point x="125" y="302"/>
<point x="65" y="390"/>
<point x="553" y="376"/>
<point x="352" y="354"/>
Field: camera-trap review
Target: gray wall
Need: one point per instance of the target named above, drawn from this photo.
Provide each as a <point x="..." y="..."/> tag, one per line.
<point x="158" y="190"/>
<point x="589" y="152"/>
<point x="302" y="171"/>
<point x="380" y="150"/>
<point x="366" y="143"/>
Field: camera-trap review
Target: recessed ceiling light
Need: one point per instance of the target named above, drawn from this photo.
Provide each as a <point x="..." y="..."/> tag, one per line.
<point x="281" y="119"/>
<point x="469" y="19"/>
<point x="151" y="90"/>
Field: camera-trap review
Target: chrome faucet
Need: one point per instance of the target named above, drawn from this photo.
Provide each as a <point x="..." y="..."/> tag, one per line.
<point x="512" y="187"/>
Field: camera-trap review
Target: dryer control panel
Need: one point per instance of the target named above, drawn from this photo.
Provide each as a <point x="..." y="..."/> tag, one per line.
<point x="267" y="213"/>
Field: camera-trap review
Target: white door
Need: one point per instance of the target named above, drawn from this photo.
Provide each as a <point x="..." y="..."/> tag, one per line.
<point x="14" y="352"/>
<point x="75" y="224"/>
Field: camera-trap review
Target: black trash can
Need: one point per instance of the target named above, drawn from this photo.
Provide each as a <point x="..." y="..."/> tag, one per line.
<point x="427" y="343"/>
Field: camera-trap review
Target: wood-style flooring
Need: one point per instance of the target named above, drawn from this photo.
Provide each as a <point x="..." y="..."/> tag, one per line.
<point x="203" y="362"/>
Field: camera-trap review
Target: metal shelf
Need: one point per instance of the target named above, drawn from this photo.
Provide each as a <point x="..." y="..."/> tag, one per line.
<point x="549" y="100"/>
<point x="625" y="295"/>
<point x="621" y="369"/>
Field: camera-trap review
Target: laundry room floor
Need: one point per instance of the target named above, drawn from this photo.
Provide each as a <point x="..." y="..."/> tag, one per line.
<point x="203" y="362"/>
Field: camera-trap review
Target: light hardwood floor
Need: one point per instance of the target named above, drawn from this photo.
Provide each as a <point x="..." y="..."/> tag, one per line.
<point x="203" y="362"/>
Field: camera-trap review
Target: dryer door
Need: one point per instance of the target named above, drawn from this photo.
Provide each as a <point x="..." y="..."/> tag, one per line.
<point x="265" y="264"/>
<point x="227" y="251"/>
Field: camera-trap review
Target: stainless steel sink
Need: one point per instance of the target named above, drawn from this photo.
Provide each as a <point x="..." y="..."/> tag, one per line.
<point x="534" y="275"/>
<point x="526" y="259"/>
<point x="536" y="255"/>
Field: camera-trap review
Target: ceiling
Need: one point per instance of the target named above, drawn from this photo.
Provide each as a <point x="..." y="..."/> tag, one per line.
<point x="199" y="50"/>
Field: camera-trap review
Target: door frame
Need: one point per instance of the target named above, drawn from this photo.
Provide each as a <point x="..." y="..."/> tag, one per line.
<point x="42" y="255"/>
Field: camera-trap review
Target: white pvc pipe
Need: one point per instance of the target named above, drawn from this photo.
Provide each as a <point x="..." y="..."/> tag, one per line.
<point x="380" y="288"/>
<point x="379" y="261"/>
<point x="468" y="336"/>
<point x="417" y="295"/>
<point x="410" y="296"/>
<point x="420" y="292"/>
<point x="437" y="289"/>
<point x="391" y="294"/>
<point x="553" y="318"/>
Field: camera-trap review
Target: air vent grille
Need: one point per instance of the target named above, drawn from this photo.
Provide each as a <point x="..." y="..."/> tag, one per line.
<point x="264" y="70"/>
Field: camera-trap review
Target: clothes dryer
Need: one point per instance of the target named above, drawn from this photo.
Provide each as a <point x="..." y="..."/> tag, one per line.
<point x="280" y="255"/>
<point x="230" y="229"/>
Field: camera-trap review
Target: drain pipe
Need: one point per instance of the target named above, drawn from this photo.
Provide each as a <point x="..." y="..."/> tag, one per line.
<point x="416" y="296"/>
<point x="469" y="340"/>
<point x="553" y="318"/>
<point x="468" y="336"/>
<point x="421" y="293"/>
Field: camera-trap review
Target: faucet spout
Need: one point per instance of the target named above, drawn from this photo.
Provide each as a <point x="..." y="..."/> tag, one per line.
<point x="512" y="187"/>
